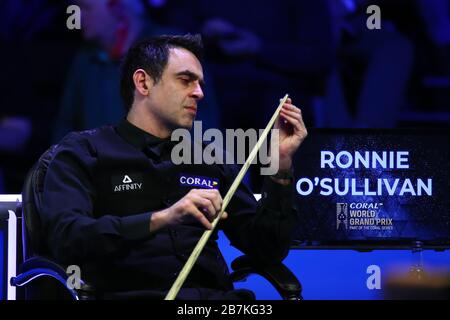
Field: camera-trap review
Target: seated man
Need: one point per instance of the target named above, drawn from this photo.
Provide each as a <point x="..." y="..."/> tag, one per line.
<point x="115" y="204"/>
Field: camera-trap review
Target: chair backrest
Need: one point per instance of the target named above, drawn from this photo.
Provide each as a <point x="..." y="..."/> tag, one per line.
<point x="32" y="233"/>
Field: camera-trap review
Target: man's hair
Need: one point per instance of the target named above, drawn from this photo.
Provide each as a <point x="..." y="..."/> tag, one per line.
<point x="152" y="55"/>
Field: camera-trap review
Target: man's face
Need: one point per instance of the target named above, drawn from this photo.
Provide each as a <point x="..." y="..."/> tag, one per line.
<point x="173" y="100"/>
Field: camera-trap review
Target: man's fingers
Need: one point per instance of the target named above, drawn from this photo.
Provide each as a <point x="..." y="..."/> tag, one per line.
<point x="292" y="118"/>
<point x="224" y="215"/>
<point x="206" y="206"/>
<point x="208" y="203"/>
<point x="288" y="100"/>
<point x="296" y="112"/>
<point x="291" y="107"/>
<point x="214" y="196"/>
<point x="195" y="212"/>
<point x="298" y="116"/>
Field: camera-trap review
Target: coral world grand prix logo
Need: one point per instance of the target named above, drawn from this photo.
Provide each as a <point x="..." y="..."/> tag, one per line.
<point x="362" y="216"/>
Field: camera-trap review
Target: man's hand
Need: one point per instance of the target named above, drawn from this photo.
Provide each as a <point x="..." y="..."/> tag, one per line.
<point x="202" y="204"/>
<point x="291" y="135"/>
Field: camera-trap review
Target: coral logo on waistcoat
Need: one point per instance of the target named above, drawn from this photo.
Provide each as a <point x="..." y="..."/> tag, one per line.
<point x="127" y="182"/>
<point x="198" y="181"/>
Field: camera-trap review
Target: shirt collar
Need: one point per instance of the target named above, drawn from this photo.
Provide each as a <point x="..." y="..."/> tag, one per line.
<point x="136" y="136"/>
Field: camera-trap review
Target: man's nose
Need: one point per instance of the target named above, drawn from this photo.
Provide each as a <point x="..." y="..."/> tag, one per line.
<point x="198" y="92"/>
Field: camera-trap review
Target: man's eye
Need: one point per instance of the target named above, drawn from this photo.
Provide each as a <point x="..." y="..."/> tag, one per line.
<point x="185" y="80"/>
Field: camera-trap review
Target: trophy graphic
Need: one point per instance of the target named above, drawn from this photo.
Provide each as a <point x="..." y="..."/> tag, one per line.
<point x="341" y="215"/>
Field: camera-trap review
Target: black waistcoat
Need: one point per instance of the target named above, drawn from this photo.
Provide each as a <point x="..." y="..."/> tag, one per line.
<point x="130" y="180"/>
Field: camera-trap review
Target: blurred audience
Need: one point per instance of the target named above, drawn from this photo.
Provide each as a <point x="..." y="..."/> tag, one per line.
<point x="369" y="83"/>
<point x="91" y="97"/>
<point x="261" y="51"/>
<point x="36" y="48"/>
<point x="435" y="15"/>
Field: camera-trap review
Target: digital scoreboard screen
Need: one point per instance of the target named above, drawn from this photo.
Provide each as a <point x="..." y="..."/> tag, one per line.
<point x="373" y="188"/>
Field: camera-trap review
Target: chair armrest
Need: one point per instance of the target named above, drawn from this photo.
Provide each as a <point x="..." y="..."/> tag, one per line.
<point x="284" y="281"/>
<point x="38" y="267"/>
<point x="41" y="262"/>
<point x="26" y="277"/>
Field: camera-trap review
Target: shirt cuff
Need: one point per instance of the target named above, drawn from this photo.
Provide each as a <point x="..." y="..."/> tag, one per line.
<point x="276" y="196"/>
<point x="137" y="226"/>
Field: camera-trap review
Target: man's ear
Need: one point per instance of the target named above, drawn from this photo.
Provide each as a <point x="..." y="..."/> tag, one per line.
<point x="142" y="82"/>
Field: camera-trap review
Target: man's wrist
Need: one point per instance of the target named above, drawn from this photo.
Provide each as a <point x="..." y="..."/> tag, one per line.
<point x="284" y="177"/>
<point x="285" y="163"/>
<point x="158" y="220"/>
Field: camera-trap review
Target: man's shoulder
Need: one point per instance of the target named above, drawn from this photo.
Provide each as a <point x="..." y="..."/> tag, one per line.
<point x="80" y="145"/>
<point x="86" y="134"/>
<point x="94" y="132"/>
<point x="86" y="137"/>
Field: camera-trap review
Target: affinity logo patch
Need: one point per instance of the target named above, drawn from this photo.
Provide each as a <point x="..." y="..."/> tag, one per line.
<point x="127" y="182"/>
